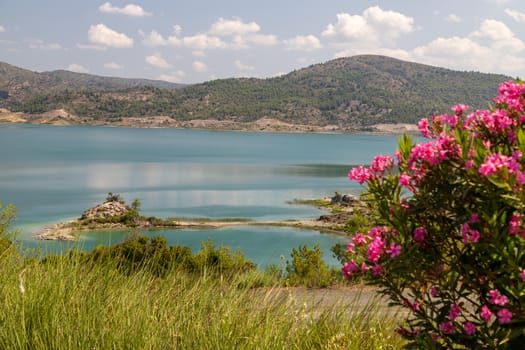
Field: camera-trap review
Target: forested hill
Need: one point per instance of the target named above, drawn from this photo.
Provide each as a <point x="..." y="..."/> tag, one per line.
<point x="351" y="93"/>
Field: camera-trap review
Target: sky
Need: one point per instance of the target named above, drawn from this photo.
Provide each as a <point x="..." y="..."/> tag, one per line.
<point x="193" y="41"/>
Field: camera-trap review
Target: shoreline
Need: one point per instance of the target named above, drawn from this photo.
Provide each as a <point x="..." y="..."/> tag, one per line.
<point x="69" y="230"/>
<point x="108" y="216"/>
<point x="62" y="118"/>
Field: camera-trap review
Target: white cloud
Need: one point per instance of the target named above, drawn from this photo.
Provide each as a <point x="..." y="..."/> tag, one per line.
<point x="199" y="66"/>
<point x="2" y="29"/>
<point x="202" y="42"/>
<point x="303" y="42"/>
<point x="113" y="65"/>
<point x="371" y="28"/>
<point x="102" y="35"/>
<point x="77" y="68"/>
<point x="177" y="29"/>
<point x="453" y="18"/>
<point x="500" y="37"/>
<point x="128" y="10"/>
<point x="516" y="15"/>
<point x="225" y="27"/>
<point x="174" y="77"/>
<point x="242" y="67"/>
<point x="42" y="45"/>
<point x="156" y="60"/>
<point x="467" y="54"/>
<point x="153" y="39"/>
<point x="262" y="39"/>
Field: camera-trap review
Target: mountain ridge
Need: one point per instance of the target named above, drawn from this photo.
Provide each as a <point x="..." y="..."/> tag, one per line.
<point x="345" y="94"/>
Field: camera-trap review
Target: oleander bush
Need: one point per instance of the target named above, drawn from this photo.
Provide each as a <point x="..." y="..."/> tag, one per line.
<point x="450" y="241"/>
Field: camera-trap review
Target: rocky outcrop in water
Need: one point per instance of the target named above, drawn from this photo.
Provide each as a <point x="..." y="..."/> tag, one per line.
<point x="106" y="210"/>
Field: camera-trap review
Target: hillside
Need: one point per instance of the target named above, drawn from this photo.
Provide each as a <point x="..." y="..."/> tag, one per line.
<point x="346" y="94"/>
<point x="17" y="85"/>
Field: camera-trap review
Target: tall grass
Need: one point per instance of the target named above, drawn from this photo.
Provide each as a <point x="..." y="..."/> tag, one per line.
<point x="71" y="304"/>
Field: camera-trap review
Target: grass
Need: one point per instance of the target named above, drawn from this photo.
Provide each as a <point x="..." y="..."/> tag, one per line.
<point x="71" y="304"/>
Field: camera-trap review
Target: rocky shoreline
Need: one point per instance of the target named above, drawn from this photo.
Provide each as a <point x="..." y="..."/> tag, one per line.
<point x="116" y="215"/>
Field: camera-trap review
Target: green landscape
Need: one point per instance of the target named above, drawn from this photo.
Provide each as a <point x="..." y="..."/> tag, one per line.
<point x="346" y="94"/>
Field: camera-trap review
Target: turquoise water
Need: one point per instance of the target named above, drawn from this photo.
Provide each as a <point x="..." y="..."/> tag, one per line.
<point x="54" y="173"/>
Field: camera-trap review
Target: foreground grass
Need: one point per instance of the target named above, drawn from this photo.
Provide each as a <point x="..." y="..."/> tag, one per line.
<point x="66" y="304"/>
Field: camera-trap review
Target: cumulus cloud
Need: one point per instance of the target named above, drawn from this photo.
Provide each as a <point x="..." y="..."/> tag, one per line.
<point x="128" y="10"/>
<point x="174" y="77"/>
<point x="154" y="39"/>
<point x="199" y="66"/>
<point x="242" y="67"/>
<point x="498" y="35"/>
<point x="2" y="29"/>
<point x="177" y="29"/>
<point x="304" y="43"/>
<point x="225" y="27"/>
<point x="156" y="60"/>
<point x="102" y="35"/>
<point x="372" y="27"/>
<point x="77" y="68"/>
<point x="453" y="18"/>
<point x="113" y="65"/>
<point x="202" y="42"/>
<point x="516" y="15"/>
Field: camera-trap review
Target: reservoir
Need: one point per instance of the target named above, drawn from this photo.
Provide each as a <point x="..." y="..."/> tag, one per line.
<point x="53" y="173"/>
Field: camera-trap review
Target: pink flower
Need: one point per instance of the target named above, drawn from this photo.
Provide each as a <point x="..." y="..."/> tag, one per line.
<point x="380" y="164"/>
<point x="360" y="174"/>
<point x="349" y="268"/>
<point x="434" y="292"/>
<point x="454" y="312"/>
<point x="423" y="127"/>
<point x="474" y="218"/>
<point x="469" y="328"/>
<point x="486" y="314"/>
<point x="394" y="250"/>
<point x="376" y="270"/>
<point x="375" y="249"/>
<point x="493" y="164"/>
<point x="359" y="239"/>
<point x="446" y="327"/>
<point x="469" y="235"/>
<point x="504" y="316"/>
<point x="496" y="298"/>
<point x="350" y="248"/>
<point x="419" y="234"/>
<point x="515" y="224"/>
<point x="459" y="109"/>
<point x="404" y="180"/>
<point x="520" y="177"/>
<point x="522" y="275"/>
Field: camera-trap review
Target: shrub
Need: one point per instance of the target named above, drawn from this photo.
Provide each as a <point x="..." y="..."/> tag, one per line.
<point x="308" y="267"/>
<point x="450" y="244"/>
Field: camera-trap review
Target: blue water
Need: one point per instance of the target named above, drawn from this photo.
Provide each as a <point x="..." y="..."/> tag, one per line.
<point x="54" y="173"/>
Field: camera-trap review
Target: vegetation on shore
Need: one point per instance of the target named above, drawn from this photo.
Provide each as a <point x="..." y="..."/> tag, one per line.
<point x="345" y="94"/>
<point x="145" y="295"/>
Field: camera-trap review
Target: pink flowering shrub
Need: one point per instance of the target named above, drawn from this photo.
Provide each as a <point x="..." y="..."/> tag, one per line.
<point x="450" y="245"/>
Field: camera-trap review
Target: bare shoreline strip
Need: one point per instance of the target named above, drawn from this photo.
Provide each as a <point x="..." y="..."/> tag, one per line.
<point x="68" y="231"/>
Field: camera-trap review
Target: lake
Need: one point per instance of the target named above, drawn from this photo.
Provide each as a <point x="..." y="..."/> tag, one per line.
<point x="53" y="174"/>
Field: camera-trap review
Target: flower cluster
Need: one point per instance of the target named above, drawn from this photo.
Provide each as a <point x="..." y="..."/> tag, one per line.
<point x="451" y="243"/>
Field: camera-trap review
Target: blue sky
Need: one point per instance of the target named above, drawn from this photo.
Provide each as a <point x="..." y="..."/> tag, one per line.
<point x="194" y="41"/>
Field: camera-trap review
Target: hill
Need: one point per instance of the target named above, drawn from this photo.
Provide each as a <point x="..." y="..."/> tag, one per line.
<point x="345" y="94"/>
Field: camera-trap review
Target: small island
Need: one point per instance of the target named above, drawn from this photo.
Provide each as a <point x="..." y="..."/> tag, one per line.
<point x="115" y="214"/>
